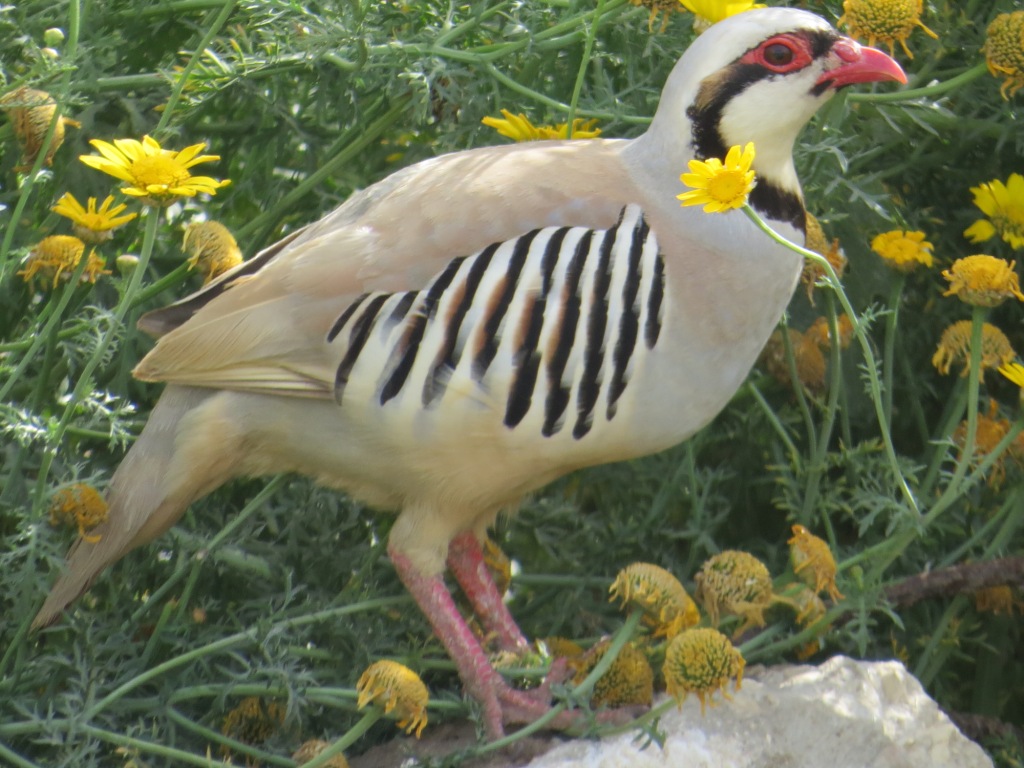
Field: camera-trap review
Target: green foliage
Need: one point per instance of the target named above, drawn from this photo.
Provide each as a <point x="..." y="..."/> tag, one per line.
<point x="281" y="590"/>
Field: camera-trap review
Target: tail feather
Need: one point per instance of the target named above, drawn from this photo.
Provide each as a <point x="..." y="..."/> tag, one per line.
<point x="164" y="472"/>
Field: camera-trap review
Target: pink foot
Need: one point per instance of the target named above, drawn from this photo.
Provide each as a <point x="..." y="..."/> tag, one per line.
<point x="466" y="561"/>
<point x="501" y="703"/>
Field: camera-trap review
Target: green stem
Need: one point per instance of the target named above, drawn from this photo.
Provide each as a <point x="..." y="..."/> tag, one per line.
<point x="351" y="737"/>
<point x="15" y="759"/>
<point x="869" y="356"/>
<point x="182" y="78"/>
<point x="366" y="136"/>
<point x="239" y="638"/>
<point x="84" y="382"/>
<point x="235" y="746"/>
<point x="584" y="64"/>
<point x="581" y="691"/>
<point x="888" y="352"/>
<point x="926" y="92"/>
<point x="780" y="430"/>
<point x="70" y="52"/>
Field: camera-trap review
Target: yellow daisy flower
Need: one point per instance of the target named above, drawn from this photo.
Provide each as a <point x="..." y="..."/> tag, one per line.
<point x="57" y="256"/>
<point x="155" y="175"/>
<point x="710" y="12"/>
<point x="519" y="128"/>
<point x="31" y="113"/>
<point x="884" y="21"/>
<point x="212" y="249"/>
<point x="955" y="347"/>
<point x="983" y="281"/>
<point x="1004" y="206"/>
<point x="1014" y="372"/>
<point x="701" y="661"/>
<point x="397" y="689"/>
<point x="1004" y="51"/>
<point x="79" y="505"/>
<point x="903" y="250"/>
<point x="90" y="224"/>
<point x="720" y="186"/>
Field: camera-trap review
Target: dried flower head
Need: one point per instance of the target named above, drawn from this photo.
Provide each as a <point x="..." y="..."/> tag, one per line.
<point x="253" y="721"/>
<point x="563" y="648"/>
<point x="651" y="589"/>
<point x="813" y="562"/>
<point x="1004" y="206"/>
<point x="983" y="281"/>
<point x="807" y="355"/>
<point x="734" y="583"/>
<point x="701" y="661"/>
<point x="519" y="128"/>
<point x="90" y="224"/>
<point x="809" y="607"/>
<point x="81" y="506"/>
<point x="708" y="12"/>
<point x="817" y="241"/>
<point x="988" y="433"/>
<point x="820" y="332"/>
<point x="397" y="689"/>
<point x="314" y="748"/>
<point x="720" y="186"/>
<point x="955" y="347"/>
<point x="664" y="7"/>
<point x="884" y="21"/>
<point x="903" y="250"/>
<point x="212" y="249"/>
<point x="57" y="256"/>
<point x="498" y="564"/>
<point x="629" y="680"/>
<point x="155" y="175"/>
<point x="31" y="112"/>
<point x="1004" y="51"/>
<point x="997" y="600"/>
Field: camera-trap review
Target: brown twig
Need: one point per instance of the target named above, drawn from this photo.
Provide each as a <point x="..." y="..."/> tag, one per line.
<point x="957" y="579"/>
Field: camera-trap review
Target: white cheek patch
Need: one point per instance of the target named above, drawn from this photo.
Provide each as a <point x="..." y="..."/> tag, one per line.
<point x="770" y="113"/>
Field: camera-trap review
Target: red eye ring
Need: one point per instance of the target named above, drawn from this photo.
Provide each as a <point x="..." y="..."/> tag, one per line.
<point x="781" y="54"/>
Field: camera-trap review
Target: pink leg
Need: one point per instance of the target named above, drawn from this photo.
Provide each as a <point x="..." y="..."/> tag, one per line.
<point x="501" y="703"/>
<point x="466" y="561"/>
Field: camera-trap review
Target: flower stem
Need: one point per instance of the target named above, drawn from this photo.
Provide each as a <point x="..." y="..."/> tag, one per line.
<point x="182" y="78"/>
<point x="925" y="92"/>
<point x="869" y="356"/>
<point x="588" y="47"/>
<point x="84" y="382"/>
<point x="351" y="737"/>
<point x="888" y="352"/>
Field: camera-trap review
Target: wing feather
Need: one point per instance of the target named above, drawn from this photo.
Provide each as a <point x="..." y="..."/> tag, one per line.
<point x="265" y="329"/>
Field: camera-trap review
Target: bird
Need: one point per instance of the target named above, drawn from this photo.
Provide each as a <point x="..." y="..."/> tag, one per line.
<point x="476" y="325"/>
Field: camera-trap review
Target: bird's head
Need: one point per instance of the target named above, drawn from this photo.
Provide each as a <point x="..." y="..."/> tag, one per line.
<point x="759" y="76"/>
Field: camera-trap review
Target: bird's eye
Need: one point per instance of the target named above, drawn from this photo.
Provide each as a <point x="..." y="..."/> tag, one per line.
<point x="778" y="54"/>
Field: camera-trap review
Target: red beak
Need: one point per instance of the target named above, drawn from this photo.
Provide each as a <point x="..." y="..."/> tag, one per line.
<point x="860" y="65"/>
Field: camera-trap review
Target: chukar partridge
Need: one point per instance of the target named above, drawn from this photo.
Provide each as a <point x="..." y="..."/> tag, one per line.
<point x="480" y="323"/>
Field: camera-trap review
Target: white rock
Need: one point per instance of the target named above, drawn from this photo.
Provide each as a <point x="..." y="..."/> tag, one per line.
<point x="842" y="714"/>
